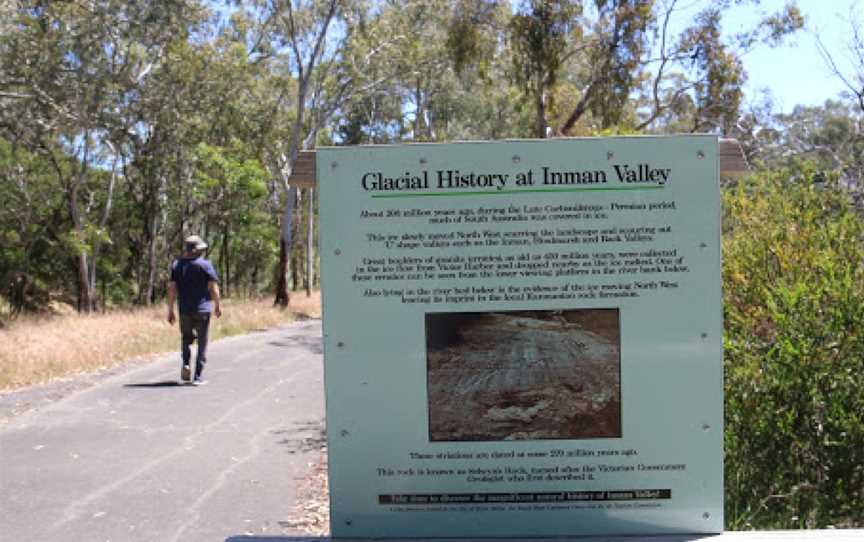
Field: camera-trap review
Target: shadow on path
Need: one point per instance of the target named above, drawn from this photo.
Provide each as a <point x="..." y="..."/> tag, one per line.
<point x="583" y="538"/>
<point x="312" y="344"/>
<point x="308" y="436"/>
<point x="160" y="384"/>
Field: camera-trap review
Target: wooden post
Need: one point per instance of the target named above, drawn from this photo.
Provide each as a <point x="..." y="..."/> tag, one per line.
<point x="310" y="235"/>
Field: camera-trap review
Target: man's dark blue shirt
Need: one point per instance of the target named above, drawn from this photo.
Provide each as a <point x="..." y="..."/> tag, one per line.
<point x="192" y="276"/>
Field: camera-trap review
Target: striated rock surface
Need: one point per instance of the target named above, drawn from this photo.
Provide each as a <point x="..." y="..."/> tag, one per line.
<point x="524" y="376"/>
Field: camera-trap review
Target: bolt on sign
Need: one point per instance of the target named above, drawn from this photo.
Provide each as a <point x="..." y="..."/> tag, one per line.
<point x="523" y="338"/>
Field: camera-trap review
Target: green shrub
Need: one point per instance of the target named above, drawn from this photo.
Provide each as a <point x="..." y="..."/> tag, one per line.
<point x="794" y="354"/>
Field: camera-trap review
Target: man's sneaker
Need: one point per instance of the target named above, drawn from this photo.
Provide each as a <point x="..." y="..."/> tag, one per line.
<point x="186" y="373"/>
<point x="199" y="382"/>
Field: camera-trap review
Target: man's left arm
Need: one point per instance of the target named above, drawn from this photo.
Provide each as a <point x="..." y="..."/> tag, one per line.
<point x="213" y="287"/>
<point x="172" y="295"/>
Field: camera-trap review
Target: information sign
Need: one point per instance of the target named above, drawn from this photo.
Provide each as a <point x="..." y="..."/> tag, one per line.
<point x="523" y="338"/>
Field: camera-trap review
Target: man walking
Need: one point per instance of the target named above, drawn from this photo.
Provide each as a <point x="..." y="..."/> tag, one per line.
<point x="194" y="284"/>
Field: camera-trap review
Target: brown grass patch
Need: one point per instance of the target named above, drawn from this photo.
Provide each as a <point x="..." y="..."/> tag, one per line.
<point x="306" y="307"/>
<point x="34" y="350"/>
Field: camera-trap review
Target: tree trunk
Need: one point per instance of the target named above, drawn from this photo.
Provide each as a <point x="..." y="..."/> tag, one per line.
<point x="295" y="271"/>
<point x="282" y="296"/>
<point x="147" y="297"/>
<point x="74" y="261"/>
<point x="253" y="283"/>
<point x="541" y="114"/>
<point x="104" y="296"/>
<point x="418" y="111"/>
<point x="227" y="261"/>
<point x="305" y="69"/>
<point x="94" y="257"/>
<point x="97" y="242"/>
<point x="310" y="234"/>
<point x="85" y="296"/>
<point x="18" y="293"/>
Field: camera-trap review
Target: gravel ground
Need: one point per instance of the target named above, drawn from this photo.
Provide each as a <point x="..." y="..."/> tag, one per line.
<point x="311" y="514"/>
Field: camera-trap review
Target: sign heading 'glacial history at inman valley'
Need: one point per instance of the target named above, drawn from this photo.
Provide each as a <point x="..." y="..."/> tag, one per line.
<point x="523" y="338"/>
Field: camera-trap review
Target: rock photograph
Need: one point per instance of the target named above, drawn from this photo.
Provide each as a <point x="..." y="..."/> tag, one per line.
<point x="523" y="375"/>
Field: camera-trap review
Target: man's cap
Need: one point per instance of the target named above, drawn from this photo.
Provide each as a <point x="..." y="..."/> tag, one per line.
<point x="195" y="242"/>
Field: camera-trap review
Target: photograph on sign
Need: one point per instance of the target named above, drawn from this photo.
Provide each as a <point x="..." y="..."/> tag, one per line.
<point x="526" y="375"/>
<point x="523" y="338"/>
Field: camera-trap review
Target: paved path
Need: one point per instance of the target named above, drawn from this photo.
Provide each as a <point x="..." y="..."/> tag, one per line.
<point x="137" y="457"/>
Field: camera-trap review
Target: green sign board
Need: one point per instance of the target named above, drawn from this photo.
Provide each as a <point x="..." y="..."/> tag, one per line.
<point x="523" y="338"/>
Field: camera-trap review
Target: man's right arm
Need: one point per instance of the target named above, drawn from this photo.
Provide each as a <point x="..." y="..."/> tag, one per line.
<point x="172" y="295"/>
<point x="213" y="287"/>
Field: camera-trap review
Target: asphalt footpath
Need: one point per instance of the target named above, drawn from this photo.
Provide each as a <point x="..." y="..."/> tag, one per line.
<point x="135" y="456"/>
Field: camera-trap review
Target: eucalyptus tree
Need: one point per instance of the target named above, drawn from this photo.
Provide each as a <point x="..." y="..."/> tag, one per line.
<point x="69" y="72"/>
<point x="594" y="65"/>
<point x="542" y="34"/>
<point x="31" y="229"/>
<point x="638" y="73"/>
<point x="202" y="94"/>
<point x="444" y="76"/>
<point x="295" y="35"/>
<point x="829" y="136"/>
<point x="319" y="51"/>
<point x="850" y="72"/>
<point x="232" y="184"/>
<point x="476" y="97"/>
<point x="696" y="75"/>
<point x="424" y="80"/>
<point x="613" y="42"/>
<point x="838" y="137"/>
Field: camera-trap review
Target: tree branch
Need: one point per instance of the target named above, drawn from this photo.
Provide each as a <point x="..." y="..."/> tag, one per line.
<point x="829" y="59"/>
<point x="15" y="95"/>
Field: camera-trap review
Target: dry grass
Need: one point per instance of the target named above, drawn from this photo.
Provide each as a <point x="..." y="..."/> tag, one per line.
<point x="35" y="350"/>
<point x="306" y="307"/>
